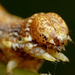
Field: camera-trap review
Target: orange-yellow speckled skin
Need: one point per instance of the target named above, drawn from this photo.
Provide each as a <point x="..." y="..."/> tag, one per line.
<point x="46" y="26"/>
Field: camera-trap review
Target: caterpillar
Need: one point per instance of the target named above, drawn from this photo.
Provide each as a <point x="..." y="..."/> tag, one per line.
<point x="28" y="42"/>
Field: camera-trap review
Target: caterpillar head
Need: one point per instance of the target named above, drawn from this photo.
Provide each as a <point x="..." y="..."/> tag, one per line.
<point x="50" y="29"/>
<point x="50" y="33"/>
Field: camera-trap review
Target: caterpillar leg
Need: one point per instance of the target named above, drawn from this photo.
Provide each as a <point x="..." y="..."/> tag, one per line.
<point x="10" y="66"/>
<point x="38" y="52"/>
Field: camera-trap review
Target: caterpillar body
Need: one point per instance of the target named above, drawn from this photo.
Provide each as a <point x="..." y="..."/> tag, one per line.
<point x="27" y="42"/>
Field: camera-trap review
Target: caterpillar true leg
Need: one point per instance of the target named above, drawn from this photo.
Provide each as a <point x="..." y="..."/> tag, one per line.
<point x="11" y="65"/>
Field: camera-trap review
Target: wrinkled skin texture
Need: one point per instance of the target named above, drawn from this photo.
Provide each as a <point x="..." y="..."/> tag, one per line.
<point x="27" y="42"/>
<point x="49" y="26"/>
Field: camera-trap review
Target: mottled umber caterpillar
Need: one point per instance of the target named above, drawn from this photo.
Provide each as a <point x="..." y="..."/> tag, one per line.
<point x="27" y="42"/>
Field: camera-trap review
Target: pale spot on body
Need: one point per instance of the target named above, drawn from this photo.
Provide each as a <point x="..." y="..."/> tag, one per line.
<point x="52" y="41"/>
<point x="14" y="33"/>
<point x="28" y="46"/>
<point x="15" y="45"/>
<point x="27" y="25"/>
<point x="29" y="21"/>
<point x="29" y="38"/>
<point x="27" y="33"/>
<point x="27" y="29"/>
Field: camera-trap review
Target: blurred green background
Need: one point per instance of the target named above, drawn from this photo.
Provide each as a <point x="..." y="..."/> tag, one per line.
<point x="66" y="9"/>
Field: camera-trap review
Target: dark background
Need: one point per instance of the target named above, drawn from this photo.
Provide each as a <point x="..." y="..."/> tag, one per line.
<point x="65" y="8"/>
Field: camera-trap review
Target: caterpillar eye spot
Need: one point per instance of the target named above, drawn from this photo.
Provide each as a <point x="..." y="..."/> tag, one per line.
<point x="40" y="35"/>
<point x="43" y="40"/>
<point x="20" y="38"/>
